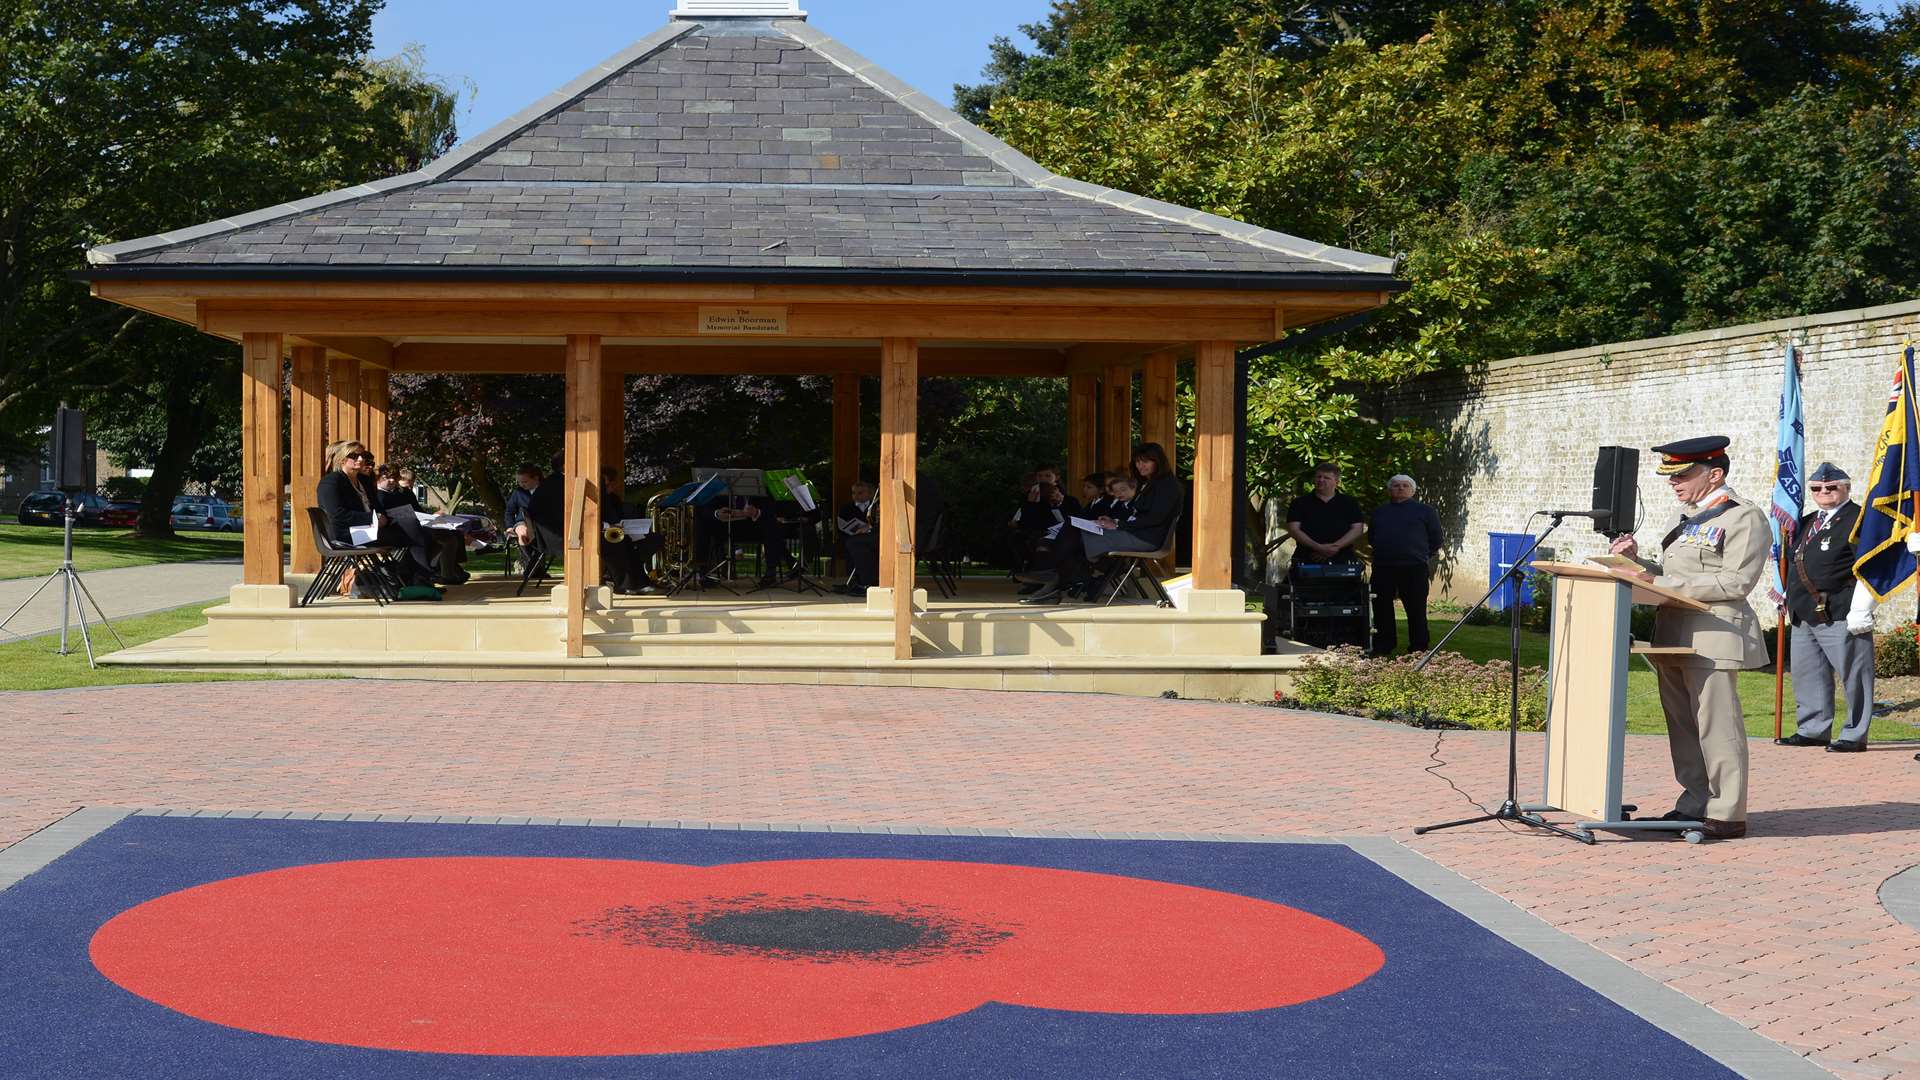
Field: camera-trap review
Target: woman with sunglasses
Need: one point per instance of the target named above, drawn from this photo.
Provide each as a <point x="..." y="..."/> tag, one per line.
<point x="348" y="497"/>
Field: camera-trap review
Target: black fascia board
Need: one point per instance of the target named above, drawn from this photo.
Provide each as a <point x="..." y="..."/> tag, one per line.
<point x="1050" y="279"/>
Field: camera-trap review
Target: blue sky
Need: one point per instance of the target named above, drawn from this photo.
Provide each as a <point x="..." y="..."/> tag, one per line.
<point x="515" y="51"/>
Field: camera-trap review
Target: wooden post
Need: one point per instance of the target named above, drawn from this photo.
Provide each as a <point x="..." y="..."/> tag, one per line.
<point x="613" y="431"/>
<point x="583" y="484"/>
<point x="306" y="448"/>
<point x="376" y="393"/>
<point x="1116" y="416"/>
<point x="1213" y="465"/>
<point x="1083" y="428"/>
<point x="899" y="450"/>
<point x="846" y="453"/>
<point x="1160" y="403"/>
<point x="260" y="459"/>
<point x="343" y="399"/>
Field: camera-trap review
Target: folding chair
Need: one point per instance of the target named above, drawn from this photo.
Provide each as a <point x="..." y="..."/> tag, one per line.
<point x="537" y="555"/>
<point x="940" y="562"/>
<point x="372" y="561"/>
<point x="1142" y="577"/>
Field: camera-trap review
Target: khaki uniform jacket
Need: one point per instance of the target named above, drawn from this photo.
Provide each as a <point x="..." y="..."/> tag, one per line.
<point x="1718" y="563"/>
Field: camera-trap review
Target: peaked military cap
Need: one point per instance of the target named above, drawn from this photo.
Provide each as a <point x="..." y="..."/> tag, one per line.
<point x="1679" y="456"/>
<point x="1827" y="472"/>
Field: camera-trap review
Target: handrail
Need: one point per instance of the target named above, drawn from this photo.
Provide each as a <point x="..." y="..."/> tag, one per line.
<point x="576" y="513"/>
<point x="897" y="505"/>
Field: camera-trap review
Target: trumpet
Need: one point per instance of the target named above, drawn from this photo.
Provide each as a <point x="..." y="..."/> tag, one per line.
<point x="613" y="533"/>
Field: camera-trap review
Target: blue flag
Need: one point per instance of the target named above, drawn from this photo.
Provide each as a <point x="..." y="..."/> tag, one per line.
<point x="1884" y="564"/>
<point x="1789" y="486"/>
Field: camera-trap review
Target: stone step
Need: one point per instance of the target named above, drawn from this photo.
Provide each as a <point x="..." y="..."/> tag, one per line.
<point x="769" y="646"/>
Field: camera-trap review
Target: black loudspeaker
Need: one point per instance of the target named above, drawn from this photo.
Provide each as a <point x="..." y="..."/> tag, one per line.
<point x="1616" y="490"/>
<point x="70" y="465"/>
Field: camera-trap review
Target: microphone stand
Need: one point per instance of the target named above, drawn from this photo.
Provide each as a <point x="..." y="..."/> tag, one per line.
<point x="1510" y="809"/>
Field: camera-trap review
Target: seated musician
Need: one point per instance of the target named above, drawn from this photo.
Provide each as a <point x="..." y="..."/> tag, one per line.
<point x="394" y="491"/>
<point x="514" y="519"/>
<point x="348" y="498"/>
<point x="858" y="523"/>
<point x="623" y="562"/>
<point x="1149" y="508"/>
<point x="1042" y="509"/>
<point x="756" y="516"/>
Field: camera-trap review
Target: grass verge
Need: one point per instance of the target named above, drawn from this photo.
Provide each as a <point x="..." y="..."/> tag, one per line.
<point x="32" y="663"/>
<point x="34" y="550"/>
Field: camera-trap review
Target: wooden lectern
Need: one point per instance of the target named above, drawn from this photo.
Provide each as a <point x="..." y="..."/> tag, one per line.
<point x="1589" y="653"/>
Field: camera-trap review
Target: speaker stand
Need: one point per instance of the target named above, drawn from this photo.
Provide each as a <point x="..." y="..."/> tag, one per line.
<point x="74" y="598"/>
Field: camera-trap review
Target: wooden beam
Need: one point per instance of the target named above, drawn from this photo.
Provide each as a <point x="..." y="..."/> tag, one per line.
<point x="376" y="395"/>
<point x="262" y="553"/>
<point x="306" y="449"/>
<point x="846" y="449"/>
<point x="540" y="359"/>
<point x="582" y="468"/>
<point x="1160" y="403"/>
<point x="899" y="454"/>
<point x="1213" y="465"/>
<point x="371" y="350"/>
<point x="1116" y="417"/>
<point x="576" y="544"/>
<point x="343" y="399"/>
<point x="142" y="293"/>
<point x="1083" y="428"/>
<point x="810" y="322"/>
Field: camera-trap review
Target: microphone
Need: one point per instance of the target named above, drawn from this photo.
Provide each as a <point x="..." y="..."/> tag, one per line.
<point x="1577" y="513"/>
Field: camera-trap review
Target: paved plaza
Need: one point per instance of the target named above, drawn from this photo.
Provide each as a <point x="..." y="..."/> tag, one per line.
<point x="1784" y="932"/>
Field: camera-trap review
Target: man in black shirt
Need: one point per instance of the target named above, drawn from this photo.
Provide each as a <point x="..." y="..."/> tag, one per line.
<point x="1326" y="522"/>
<point x="1406" y="537"/>
<point x="1832" y="618"/>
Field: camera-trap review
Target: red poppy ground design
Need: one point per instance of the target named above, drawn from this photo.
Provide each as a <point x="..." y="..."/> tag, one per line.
<point x="524" y="956"/>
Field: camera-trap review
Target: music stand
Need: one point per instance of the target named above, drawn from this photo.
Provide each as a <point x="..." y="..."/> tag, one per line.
<point x="791" y="485"/>
<point x="691" y="495"/>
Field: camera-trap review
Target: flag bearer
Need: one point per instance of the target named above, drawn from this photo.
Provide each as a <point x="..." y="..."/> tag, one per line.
<point x="1832" y="619"/>
<point x="1715" y="554"/>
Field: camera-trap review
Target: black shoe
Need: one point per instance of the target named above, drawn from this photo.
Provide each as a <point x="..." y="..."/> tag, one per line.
<point x="1797" y="739"/>
<point x="766" y="584"/>
<point x="1048" y="595"/>
<point x="1847" y="746"/>
<point x="1030" y="589"/>
<point x="1723" y="830"/>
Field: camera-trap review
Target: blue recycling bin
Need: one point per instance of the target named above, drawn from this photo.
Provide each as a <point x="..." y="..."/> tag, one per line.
<point x="1504" y="548"/>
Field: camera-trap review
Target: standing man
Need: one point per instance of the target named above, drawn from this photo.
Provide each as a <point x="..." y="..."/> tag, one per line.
<point x="1406" y="537"/>
<point x="1832" y="619"/>
<point x="1715" y="554"/>
<point x="1325" y="522"/>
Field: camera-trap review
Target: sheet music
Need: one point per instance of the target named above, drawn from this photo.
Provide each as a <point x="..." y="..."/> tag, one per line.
<point x="801" y="493"/>
<point x="364" y="535"/>
<point x="1087" y="525"/>
<point x="635" y="528"/>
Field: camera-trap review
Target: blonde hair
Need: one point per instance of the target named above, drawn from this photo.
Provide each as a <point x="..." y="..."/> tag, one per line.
<point x="338" y="452"/>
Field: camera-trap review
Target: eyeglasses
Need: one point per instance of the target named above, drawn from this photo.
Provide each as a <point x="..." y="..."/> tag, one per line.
<point x="1825" y="487"/>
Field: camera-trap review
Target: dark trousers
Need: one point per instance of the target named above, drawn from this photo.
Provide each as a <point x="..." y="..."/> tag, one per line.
<point x="401" y="528"/>
<point x="1408" y="584"/>
<point x="863" y="554"/>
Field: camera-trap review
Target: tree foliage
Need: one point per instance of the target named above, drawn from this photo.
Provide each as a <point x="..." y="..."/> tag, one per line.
<point x="1551" y="173"/>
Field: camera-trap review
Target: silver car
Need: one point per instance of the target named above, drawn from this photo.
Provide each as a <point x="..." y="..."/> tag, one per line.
<point x="204" y="512"/>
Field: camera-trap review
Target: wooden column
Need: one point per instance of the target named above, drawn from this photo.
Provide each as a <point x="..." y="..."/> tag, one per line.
<point x="899" y="452"/>
<point x="846" y="454"/>
<point x="306" y="449"/>
<point x="1083" y="428"/>
<point x="376" y="393"/>
<point x="1160" y="403"/>
<point x="260" y="459"/>
<point x="583" y="483"/>
<point x="1213" y="465"/>
<point x="1116" y="416"/>
<point x="343" y="399"/>
<point x="613" y="431"/>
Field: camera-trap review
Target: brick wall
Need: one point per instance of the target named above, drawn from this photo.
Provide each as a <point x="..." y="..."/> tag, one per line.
<point x="1522" y="434"/>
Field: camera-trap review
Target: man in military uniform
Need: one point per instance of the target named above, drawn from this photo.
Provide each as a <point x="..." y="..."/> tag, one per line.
<point x="1715" y="554"/>
<point x="1832" y="620"/>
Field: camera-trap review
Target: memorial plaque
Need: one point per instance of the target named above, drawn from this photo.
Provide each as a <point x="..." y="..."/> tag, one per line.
<point x="743" y="320"/>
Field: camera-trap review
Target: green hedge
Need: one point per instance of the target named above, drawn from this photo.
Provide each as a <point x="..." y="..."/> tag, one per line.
<point x="1451" y="690"/>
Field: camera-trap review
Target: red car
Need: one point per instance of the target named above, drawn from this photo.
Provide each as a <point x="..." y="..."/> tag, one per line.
<point x="120" y="515"/>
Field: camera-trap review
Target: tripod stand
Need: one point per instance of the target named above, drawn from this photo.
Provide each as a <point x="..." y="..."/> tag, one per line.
<point x="72" y="592"/>
<point x="1510" y="810"/>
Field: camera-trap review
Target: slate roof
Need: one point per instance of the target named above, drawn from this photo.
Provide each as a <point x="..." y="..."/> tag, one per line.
<point x="739" y="143"/>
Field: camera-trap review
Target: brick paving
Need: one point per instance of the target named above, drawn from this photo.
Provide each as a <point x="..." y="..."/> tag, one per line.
<point x="1781" y="931"/>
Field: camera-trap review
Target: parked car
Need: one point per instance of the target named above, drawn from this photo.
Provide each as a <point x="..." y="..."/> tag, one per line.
<point x="49" y="508"/>
<point x="120" y="514"/>
<point x="204" y="512"/>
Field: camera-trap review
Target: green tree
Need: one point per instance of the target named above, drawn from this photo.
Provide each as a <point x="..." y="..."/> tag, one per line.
<point x="125" y="118"/>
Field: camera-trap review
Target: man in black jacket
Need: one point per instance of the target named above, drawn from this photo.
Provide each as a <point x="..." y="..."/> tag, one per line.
<point x="1832" y="618"/>
<point x="1406" y="537"/>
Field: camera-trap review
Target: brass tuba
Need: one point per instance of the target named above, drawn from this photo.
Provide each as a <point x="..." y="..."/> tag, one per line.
<point x="674" y="526"/>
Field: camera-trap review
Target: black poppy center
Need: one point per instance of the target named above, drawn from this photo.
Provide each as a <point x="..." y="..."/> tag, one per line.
<point x="815" y="930"/>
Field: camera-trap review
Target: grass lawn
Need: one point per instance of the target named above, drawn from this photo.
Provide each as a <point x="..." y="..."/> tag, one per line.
<point x="1483" y="643"/>
<point x="32" y="664"/>
<point x="34" y="550"/>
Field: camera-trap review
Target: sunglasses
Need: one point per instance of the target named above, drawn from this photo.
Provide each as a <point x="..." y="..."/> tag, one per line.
<point x="1825" y="487"/>
<point x="360" y="457"/>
